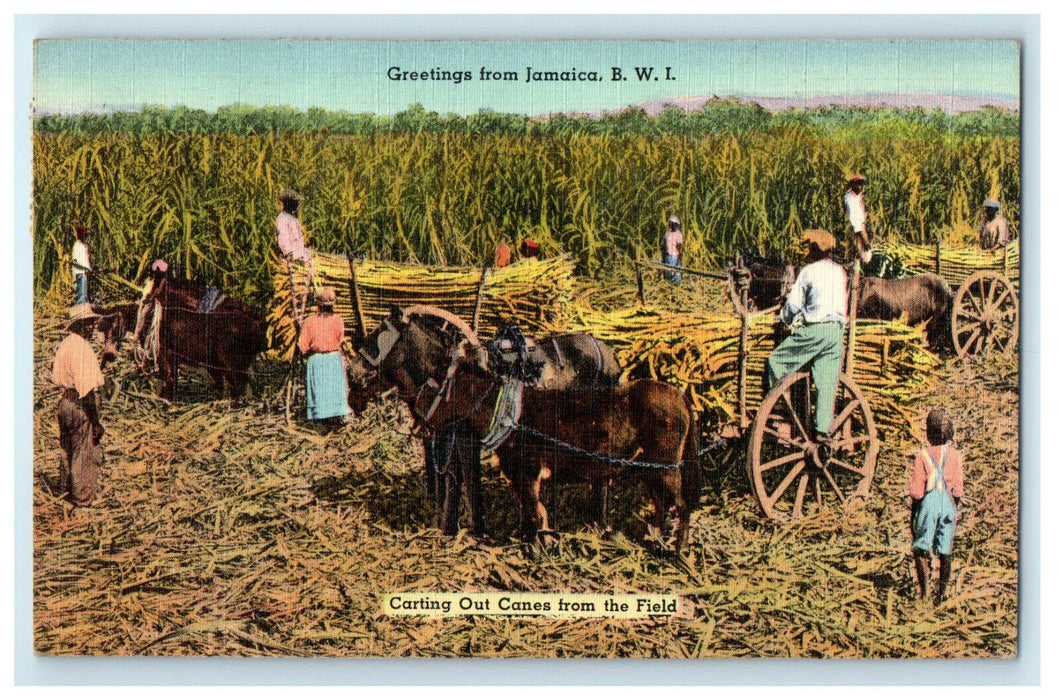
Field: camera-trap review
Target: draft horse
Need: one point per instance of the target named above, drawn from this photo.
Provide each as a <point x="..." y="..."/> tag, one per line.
<point x="451" y="457"/>
<point x="645" y="427"/>
<point x="224" y="343"/>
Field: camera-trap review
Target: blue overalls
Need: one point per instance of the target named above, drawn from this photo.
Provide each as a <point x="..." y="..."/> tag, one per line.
<point x="934" y="521"/>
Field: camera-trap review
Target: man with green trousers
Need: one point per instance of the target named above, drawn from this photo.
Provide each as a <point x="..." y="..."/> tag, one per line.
<point x="816" y="310"/>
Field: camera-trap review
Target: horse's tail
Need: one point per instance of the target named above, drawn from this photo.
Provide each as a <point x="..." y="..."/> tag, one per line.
<point x="690" y="469"/>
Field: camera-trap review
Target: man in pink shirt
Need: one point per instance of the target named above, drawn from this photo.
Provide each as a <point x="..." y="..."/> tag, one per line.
<point x="289" y="230"/>
<point x="673" y="242"/>
<point x="77" y="372"/>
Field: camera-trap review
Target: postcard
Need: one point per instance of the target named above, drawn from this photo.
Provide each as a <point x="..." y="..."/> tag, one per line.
<point x="527" y="349"/>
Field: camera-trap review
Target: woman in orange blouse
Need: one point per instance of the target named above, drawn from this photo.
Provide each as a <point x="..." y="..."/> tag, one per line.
<point x="326" y="378"/>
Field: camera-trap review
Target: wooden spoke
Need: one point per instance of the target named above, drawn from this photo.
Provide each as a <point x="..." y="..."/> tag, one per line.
<point x="845" y="465"/>
<point x="850" y="442"/>
<point x="833" y="484"/>
<point x="796" y="419"/>
<point x="818" y="492"/>
<point x="782" y="461"/>
<point x="798" y="502"/>
<point x="788" y="442"/>
<point x="966" y="346"/>
<point x="841" y="417"/>
<point x="784" y="485"/>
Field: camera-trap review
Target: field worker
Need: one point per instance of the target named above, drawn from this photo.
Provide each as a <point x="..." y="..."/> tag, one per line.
<point x="321" y="340"/>
<point x="530" y="249"/>
<point x="80" y="264"/>
<point x="289" y="230"/>
<point x="672" y="249"/>
<point x="503" y="255"/>
<point x="936" y="493"/>
<point x="76" y="371"/>
<point x="857" y="215"/>
<point x="994" y="233"/>
<point x="816" y="310"/>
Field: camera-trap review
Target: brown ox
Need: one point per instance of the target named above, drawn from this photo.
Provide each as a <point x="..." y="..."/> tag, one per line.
<point x="916" y="300"/>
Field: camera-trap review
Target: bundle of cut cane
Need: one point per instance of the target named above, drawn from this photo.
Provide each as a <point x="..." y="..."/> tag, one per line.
<point x="534" y="294"/>
<point x="956" y="264"/>
<point x="699" y="353"/>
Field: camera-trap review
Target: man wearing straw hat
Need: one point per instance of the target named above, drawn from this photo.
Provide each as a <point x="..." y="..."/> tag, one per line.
<point x="77" y="372"/>
<point x="816" y="308"/>
<point x="994" y="233"/>
<point x="672" y="249"/>
<point x="321" y="339"/>
<point x="857" y="215"/>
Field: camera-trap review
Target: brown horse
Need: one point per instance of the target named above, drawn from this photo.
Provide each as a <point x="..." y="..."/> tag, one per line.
<point x="451" y="459"/>
<point x="581" y="436"/>
<point x="920" y="299"/>
<point x="224" y="343"/>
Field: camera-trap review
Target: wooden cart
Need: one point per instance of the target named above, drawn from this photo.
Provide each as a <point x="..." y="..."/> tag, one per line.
<point x="984" y="316"/>
<point x="787" y="475"/>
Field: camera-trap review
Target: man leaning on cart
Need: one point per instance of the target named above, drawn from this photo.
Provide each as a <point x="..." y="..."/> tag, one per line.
<point x="816" y="309"/>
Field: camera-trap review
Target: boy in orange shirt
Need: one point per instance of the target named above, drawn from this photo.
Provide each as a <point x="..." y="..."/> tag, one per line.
<point x="936" y="492"/>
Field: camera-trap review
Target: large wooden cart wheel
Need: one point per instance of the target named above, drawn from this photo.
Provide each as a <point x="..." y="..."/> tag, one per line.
<point x="984" y="315"/>
<point x="788" y="477"/>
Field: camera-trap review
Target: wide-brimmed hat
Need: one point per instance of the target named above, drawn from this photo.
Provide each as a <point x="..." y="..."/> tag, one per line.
<point x="673" y="220"/>
<point x="289" y="195"/>
<point x="80" y="312"/>
<point x="823" y="240"/>
<point x="856" y="179"/>
<point x="991" y="204"/>
<point x="160" y="265"/>
<point x="326" y="296"/>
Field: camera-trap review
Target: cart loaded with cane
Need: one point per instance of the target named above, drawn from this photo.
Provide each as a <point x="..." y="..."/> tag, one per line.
<point x="984" y="314"/>
<point x="789" y="475"/>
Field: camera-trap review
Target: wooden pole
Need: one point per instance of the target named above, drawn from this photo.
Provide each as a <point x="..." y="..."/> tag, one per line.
<point x="355" y="298"/>
<point x="479" y="300"/>
<point x="297" y="315"/>
<point x="938" y="256"/>
<point x="853" y="304"/>
<point x="641" y="283"/>
<point x="743" y="355"/>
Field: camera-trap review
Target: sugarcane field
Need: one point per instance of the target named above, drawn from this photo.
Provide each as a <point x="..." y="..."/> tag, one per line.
<point x="582" y="387"/>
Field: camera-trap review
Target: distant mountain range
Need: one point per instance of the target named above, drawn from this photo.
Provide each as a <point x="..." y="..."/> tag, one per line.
<point x="951" y="104"/>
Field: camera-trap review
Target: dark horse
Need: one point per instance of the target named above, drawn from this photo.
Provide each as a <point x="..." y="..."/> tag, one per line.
<point x="224" y="343"/>
<point x="921" y="299"/>
<point x="451" y="460"/>
<point x="578" y="436"/>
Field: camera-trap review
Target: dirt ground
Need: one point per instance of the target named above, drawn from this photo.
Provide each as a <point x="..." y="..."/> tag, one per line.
<point x="220" y="530"/>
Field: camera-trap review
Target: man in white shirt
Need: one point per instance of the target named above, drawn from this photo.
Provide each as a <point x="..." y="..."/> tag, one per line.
<point x="80" y="265"/>
<point x="857" y="215"/>
<point x="816" y="308"/>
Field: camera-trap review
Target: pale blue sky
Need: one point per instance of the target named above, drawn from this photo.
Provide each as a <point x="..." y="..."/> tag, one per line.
<point x="92" y="74"/>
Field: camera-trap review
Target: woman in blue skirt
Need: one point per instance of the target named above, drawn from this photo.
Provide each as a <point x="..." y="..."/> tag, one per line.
<point x="321" y="341"/>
